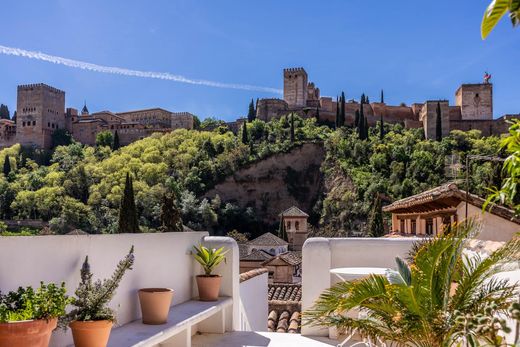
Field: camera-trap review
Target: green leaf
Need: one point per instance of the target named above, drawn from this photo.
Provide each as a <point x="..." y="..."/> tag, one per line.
<point x="495" y="11"/>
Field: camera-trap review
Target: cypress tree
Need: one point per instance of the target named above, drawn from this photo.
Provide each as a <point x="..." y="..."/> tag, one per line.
<point x="438" y="124"/>
<point x="367" y="101"/>
<point x="317" y="114"/>
<point x="128" y="222"/>
<point x="7" y="166"/>
<point x="14" y="117"/>
<point x="4" y="112"/>
<point x="251" y="112"/>
<point x="362" y="98"/>
<point x="292" y="127"/>
<point x="356" y="119"/>
<point x="366" y="128"/>
<point x="116" y="145"/>
<point x="282" y="232"/>
<point x="361" y="120"/>
<point x="245" y="140"/>
<point x="342" y="110"/>
<point x="337" y="112"/>
<point x="382" y="97"/>
<point x="381" y="128"/>
<point x="375" y="221"/>
<point x="171" y="220"/>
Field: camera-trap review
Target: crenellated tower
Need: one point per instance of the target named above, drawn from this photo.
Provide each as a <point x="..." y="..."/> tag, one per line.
<point x="295" y="86"/>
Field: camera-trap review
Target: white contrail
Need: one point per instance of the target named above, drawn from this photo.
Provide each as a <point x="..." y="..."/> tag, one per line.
<point x="128" y="72"/>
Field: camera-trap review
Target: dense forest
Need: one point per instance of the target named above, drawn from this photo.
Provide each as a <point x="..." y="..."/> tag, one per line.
<point x="77" y="186"/>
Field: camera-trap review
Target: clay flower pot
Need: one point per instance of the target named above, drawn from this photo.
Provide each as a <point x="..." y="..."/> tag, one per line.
<point x="209" y="287"/>
<point x="34" y="333"/>
<point x="91" y="333"/>
<point x="155" y="304"/>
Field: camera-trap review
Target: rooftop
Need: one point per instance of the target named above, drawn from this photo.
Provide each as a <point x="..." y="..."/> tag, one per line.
<point x="268" y="239"/>
<point x="293" y="212"/>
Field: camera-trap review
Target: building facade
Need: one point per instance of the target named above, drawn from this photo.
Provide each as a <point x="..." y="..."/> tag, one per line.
<point x="473" y="108"/>
<point x="41" y="111"/>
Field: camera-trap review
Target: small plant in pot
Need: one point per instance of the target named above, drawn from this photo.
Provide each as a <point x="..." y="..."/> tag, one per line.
<point x="209" y="284"/>
<point x="91" y="319"/>
<point x="28" y="316"/>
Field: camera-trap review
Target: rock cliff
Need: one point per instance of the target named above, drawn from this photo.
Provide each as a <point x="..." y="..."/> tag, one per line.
<point x="276" y="183"/>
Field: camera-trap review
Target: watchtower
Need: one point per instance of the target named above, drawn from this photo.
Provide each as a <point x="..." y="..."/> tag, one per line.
<point x="475" y="101"/>
<point x="295" y="223"/>
<point x="295" y="81"/>
<point x="40" y="110"/>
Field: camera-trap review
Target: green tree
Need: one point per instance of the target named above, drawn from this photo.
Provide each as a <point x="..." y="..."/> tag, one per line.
<point x="317" y="114"/>
<point x="104" y="139"/>
<point x="116" y="145"/>
<point x="4" y="112"/>
<point x="438" y="123"/>
<point x="171" y="220"/>
<point x="251" y="112"/>
<point x="14" y="117"/>
<point x="376" y="226"/>
<point x="292" y="127"/>
<point x="342" y="110"/>
<point x="7" y="166"/>
<point x="381" y="128"/>
<point x="356" y="119"/>
<point x="61" y="137"/>
<point x="382" y="97"/>
<point x="128" y="222"/>
<point x="245" y="137"/>
<point x="495" y="11"/>
<point x="337" y="121"/>
<point x="431" y="295"/>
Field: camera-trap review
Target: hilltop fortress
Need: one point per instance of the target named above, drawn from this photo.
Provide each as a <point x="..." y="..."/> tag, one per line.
<point x="473" y="108"/>
<point x="40" y="110"/>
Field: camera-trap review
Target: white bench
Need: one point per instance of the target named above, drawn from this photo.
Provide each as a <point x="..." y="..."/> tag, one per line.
<point x="184" y="320"/>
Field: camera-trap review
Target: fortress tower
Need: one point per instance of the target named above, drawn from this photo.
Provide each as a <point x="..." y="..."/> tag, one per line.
<point x="475" y="101"/>
<point x="295" y="81"/>
<point x="40" y="110"/>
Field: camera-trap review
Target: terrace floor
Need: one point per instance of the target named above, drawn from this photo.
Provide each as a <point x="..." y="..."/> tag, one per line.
<point x="261" y="339"/>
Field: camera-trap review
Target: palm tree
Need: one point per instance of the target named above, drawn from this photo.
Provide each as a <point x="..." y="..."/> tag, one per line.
<point x="423" y="301"/>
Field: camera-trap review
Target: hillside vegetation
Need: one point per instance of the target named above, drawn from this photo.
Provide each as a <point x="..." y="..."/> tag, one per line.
<point x="81" y="186"/>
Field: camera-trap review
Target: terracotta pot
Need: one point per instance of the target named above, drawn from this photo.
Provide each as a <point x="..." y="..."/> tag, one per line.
<point x="34" y="333"/>
<point x="91" y="333"/>
<point x="155" y="304"/>
<point x="209" y="287"/>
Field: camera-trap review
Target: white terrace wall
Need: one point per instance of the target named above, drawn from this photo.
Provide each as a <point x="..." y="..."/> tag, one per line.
<point x="322" y="254"/>
<point x="253" y="304"/>
<point x="161" y="260"/>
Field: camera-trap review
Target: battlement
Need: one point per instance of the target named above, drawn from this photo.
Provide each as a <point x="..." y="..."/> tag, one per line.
<point x="28" y="87"/>
<point x="294" y="70"/>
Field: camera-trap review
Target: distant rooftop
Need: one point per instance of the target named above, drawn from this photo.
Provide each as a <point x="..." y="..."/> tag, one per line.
<point x="293" y="212"/>
<point x="268" y="239"/>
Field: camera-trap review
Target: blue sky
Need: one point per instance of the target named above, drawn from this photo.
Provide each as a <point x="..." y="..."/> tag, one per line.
<point x="414" y="50"/>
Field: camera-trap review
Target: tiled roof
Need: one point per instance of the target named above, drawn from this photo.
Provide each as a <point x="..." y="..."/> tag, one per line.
<point x="252" y="273"/>
<point x="285" y="322"/>
<point x="284" y="292"/>
<point x="293" y="212"/>
<point x="268" y="239"/>
<point x="257" y="255"/>
<point x="242" y="250"/>
<point x="290" y="257"/>
<point x="443" y="197"/>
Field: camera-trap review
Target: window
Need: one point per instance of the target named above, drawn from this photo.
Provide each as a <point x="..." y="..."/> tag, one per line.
<point x="34" y="122"/>
<point x="23" y="124"/>
<point x="414" y="226"/>
<point x="429" y="226"/>
<point x="288" y="224"/>
<point x="402" y="227"/>
<point x="297" y="226"/>
<point x="48" y="124"/>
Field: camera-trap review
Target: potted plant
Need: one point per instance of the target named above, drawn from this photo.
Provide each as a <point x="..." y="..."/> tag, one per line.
<point x="155" y="304"/>
<point x="209" y="284"/>
<point x="91" y="320"/>
<point x="28" y="316"/>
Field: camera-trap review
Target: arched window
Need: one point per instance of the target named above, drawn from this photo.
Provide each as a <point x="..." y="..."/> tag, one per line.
<point x="289" y="224"/>
<point x="297" y="225"/>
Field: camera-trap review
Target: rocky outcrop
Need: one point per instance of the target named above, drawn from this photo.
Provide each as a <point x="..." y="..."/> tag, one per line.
<point x="276" y="183"/>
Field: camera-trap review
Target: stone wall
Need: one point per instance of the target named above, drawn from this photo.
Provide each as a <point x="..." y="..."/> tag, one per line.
<point x="428" y="117"/>
<point x="276" y="183"/>
<point x="295" y="83"/>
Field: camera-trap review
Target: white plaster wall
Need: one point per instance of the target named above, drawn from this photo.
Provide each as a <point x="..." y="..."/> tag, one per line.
<point x="253" y="304"/>
<point x="322" y="254"/>
<point x="161" y="260"/>
<point x="494" y="228"/>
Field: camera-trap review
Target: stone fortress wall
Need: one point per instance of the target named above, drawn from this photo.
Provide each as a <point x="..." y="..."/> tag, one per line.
<point x="473" y="108"/>
<point x="41" y="111"/>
